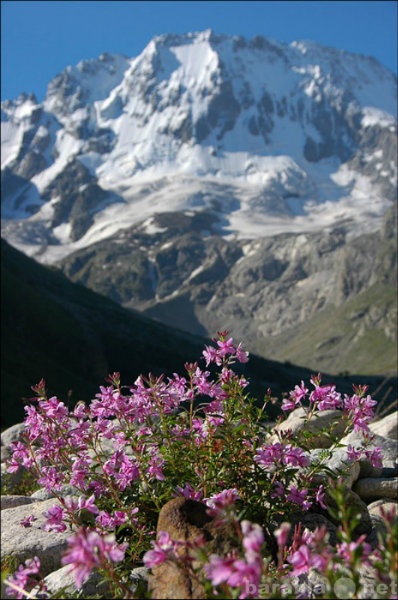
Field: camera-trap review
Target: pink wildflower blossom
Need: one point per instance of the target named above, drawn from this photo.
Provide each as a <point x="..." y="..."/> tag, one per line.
<point x="239" y="572"/>
<point x="22" y="577"/>
<point x="303" y="559"/>
<point x="298" y="497"/>
<point x="221" y="505"/>
<point x="122" y="468"/>
<point x="88" y="550"/>
<point x="54" y="409"/>
<point x="54" y="519"/>
<point x="82" y="504"/>
<point x="156" y="463"/>
<point x="189" y="492"/>
<point x="241" y="354"/>
<point x="107" y="521"/>
<point x="253" y="539"/>
<point x="163" y="549"/>
<point x="320" y="497"/>
<point x="325" y="396"/>
<point x="27" y="521"/>
<point x="375" y="456"/>
<point x="295" y="457"/>
<point x="245" y="575"/>
<point x="226" y="347"/>
<point x="282" y="533"/>
<point x="51" y="479"/>
<point x="295" y="397"/>
<point x="279" y="490"/>
<point x="20" y="456"/>
<point x="347" y="549"/>
<point x="218" y="569"/>
<point x="360" y="410"/>
<point x="353" y="454"/>
<point x="276" y="455"/>
<point x="211" y="355"/>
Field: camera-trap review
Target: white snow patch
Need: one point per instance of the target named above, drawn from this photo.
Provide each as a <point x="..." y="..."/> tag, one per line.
<point x="374" y="116"/>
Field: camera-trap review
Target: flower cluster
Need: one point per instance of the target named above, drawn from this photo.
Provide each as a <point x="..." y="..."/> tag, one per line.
<point x="88" y="550"/>
<point x="235" y="571"/>
<point x="201" y="436"/>
<point x="25" y="576"/>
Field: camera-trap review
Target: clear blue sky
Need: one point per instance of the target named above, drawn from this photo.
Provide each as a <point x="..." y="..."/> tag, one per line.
<point x="39" y="39"/>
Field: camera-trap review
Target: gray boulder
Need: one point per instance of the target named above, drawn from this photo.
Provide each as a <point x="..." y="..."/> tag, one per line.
<point x="374" y="488"/>
<point x="26" y="542"/>
<point x="324" y="426"/>
<point x="387" y="426"/>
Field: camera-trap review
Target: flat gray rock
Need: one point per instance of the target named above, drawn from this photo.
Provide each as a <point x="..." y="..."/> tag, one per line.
<point x="387" y="426"/>
<point x="373" y="488"/>
<point x="11" y="501"/>
<point x="26" y="542"/>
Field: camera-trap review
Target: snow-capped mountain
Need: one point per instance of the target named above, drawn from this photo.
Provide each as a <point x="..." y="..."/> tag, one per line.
<point x="223" y="140"/>
<point x="300" y="135"/>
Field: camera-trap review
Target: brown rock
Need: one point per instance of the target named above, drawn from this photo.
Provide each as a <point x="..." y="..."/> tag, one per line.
<point x="187" y="520"/>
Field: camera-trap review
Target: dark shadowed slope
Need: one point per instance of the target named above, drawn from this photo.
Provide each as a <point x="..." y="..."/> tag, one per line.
<point x="73" y="338"/>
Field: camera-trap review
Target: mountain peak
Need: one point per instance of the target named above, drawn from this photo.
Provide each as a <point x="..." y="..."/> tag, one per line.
<point x="296" y="135"/>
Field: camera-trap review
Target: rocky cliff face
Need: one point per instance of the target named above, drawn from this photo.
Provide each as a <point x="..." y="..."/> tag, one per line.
<point x="324" y="290"/>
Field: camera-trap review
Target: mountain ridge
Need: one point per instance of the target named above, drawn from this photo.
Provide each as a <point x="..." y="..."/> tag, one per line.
<point x="215" y="178"/>
<point x="218" y="108"/>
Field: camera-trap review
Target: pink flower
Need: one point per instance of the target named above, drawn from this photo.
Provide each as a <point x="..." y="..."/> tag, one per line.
<point x="51" y="479"/>
<point x="82" y="504"/>
<point x="360" y="410"/>
<point x="375" y="456"/>
<point x="211" y="355"/>
<point x="220" y="505"/>
<point x="200" y="379"/>
<point x="282" y="534"/>
<point x="20" y="456"/>
<point x="298" y="497"/>
<point x="325" y="396"/>
<point x="54" y="409"/>
<point x="121" y="467"/>
<point x="275" y="455"/>
<point x="27" y="521"/>
<point x="238" y="572"/>
<point x="241" y="355"/>
<point x="21" y="578"/>
<point x="253" y="539"/>
<point x="88" y="550"/>
<point x="289" y="404"/>
<point x="267" y="455"/>
<point x="188" y="492"/>
<point x="295" y="397"/>
<point x="353" y="454"/>
<point x="320" y="497"/>
<point x="80" y="471"/>
<point x="279" y="490"/>
<point x="218" y="569"/>
<point x="359" y="547"/>
<point x="226" y="347"/>
<point x="54" y="516"/>
<point x="295" y="457"/>
<point x="301" y="560"/>
<point x="156" y="463"/>
<point x="163" y="549"/>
